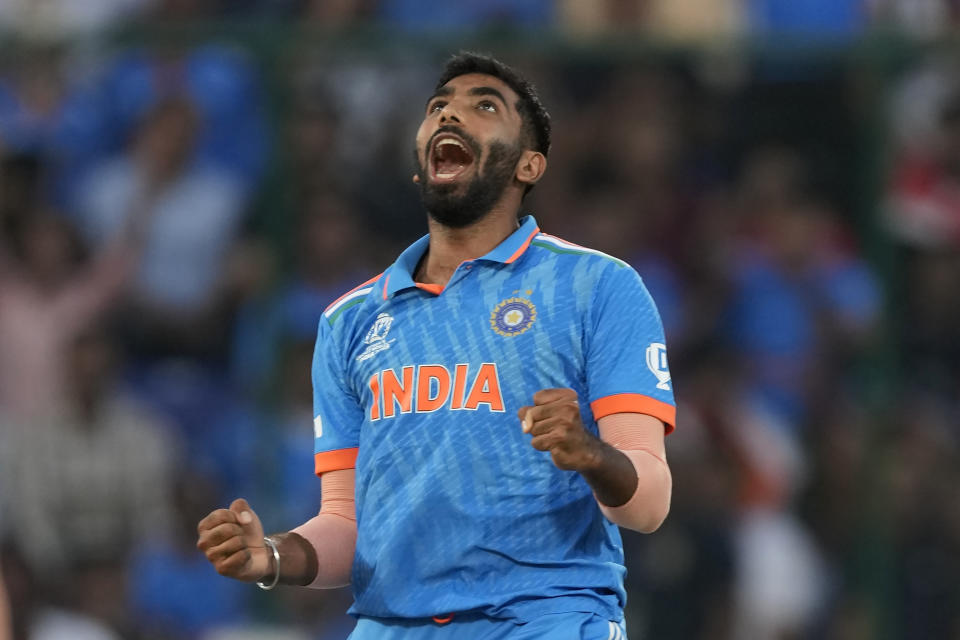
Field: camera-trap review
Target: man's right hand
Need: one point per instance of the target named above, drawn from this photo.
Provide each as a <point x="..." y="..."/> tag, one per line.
<point x="232" y="540"/>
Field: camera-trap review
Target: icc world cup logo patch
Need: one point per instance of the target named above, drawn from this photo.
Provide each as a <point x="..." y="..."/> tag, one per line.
<point x="513" y="316"/>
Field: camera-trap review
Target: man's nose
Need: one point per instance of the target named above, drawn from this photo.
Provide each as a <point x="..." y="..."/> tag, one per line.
<point x="449" y="114"/>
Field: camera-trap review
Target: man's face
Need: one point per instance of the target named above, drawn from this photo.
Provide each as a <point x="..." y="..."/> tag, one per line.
<point x="468" y="146"/>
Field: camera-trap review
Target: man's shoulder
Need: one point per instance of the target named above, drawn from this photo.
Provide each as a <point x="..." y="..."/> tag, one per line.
<point x="347" y="304"/>
<point x="565" y="252"/>
<point x="581" y="267"/>
<point x="591" y="273"/>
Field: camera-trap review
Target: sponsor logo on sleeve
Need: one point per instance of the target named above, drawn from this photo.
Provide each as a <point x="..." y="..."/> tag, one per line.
<point x="657" y="363"/>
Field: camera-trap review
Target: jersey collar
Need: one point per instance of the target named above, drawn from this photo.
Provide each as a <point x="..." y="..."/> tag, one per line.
<point x="400" y="274"/>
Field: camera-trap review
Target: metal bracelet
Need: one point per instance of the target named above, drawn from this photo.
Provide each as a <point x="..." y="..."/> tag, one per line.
<point x="276" y="563"/>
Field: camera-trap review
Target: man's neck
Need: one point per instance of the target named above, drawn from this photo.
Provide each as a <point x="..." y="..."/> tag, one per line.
<point x="449" y="247"/>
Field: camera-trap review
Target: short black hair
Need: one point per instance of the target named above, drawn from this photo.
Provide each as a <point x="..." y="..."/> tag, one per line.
<point x="536" y="121"/>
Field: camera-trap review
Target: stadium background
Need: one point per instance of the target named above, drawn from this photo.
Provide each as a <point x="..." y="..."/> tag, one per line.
<point x="187" y="183"/>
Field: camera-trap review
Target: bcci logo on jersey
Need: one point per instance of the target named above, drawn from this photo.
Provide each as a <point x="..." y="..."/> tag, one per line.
<point x="376" y="338"/>
<point x="657" y="363"/>
<point x="512" y="317"/>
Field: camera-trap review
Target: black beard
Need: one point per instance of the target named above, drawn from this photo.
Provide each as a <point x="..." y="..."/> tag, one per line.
<point x="457" y="212"/>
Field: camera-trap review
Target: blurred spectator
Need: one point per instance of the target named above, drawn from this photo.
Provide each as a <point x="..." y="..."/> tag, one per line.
<point x="173" y="591"/>
<point x="50" y="111"/>
<point x="262" y="8"/>
<point x="674" y="19"/>
<point x="780" y="577"/>
<point x="415" y="15"/>
<point x="329" y="260"/>
<point x="929" y="321"/>
<point x="32" y="93"/>
<point x="219" y="83"/>
<point x="695" y="19"/>
<point x="585" y="18"/>
<point x="221" y="430"/>
<point x="344" y="136"/>
<point x="840" y="497"/>
<point x="79" y="514"/>
<point x="181" y="11"/>
<point x="259" y="324"/>
<point x="923" y="213"/>
<point x="924" y="206"/>
<point x="822" y="18"/>
<point x="916" y="105"/>
<point x="777" y="572"/>
<point x="298" y="488"/>
<point x="20" y="178"/>
<point x="924" y="511"/>
<point x="803" y="303"/>
<point x="48" y="298"/>
<point x="58" y="18"/>
<point x="337" y="13"/>
<point x="196" y="210"/>
<point x="63" y="624"/>
<point x="921" y="18"/>
<point x="312" y="130"/>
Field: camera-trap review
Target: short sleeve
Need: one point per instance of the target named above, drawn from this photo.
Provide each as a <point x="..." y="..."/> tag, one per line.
<point x="626" y="354"/>
<point x="337" y="414"/>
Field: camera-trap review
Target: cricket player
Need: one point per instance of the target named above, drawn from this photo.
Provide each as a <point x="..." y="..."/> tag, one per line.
<point x="488" y="410"/>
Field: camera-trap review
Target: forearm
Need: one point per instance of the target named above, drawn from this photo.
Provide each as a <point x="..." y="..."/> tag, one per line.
<point x="326" y="542"/>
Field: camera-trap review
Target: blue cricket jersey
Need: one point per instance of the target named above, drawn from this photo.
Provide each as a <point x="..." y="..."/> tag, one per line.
<point x="418" y="389"/>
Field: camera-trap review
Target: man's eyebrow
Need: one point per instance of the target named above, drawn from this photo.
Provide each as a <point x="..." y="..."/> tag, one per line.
<point x="488" y="91"/>
<point x="442" y="91"/>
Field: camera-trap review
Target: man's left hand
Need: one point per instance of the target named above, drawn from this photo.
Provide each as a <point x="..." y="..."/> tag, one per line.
<point x="555" y="424"/>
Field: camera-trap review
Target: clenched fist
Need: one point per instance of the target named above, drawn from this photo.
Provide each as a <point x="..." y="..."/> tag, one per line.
<point x="232" y="540"/>
<point x="555" y="424"/>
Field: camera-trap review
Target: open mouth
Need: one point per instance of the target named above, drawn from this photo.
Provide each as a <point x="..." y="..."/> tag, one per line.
<point x="449" y="158"/>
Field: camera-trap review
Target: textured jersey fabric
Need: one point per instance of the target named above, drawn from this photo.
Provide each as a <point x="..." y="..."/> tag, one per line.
<point x="418" y="389"/>
<point x="556" y="626"/>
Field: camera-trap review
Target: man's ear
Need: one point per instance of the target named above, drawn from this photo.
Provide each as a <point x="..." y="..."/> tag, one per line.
<point x="531" y="167"/>
<point x="416" y="179"/>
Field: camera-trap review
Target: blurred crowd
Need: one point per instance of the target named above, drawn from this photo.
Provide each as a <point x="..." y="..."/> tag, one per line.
<point x="660" y="18"/>
<point x="175" y="218"/>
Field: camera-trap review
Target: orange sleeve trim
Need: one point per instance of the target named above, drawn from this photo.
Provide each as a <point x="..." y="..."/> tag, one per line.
<point x="435" y="289"/>
<point x="385" y="283"/>
<point x="635" y="403"/>
<point x="523" y="247"/>
<point x="335" y="460"/>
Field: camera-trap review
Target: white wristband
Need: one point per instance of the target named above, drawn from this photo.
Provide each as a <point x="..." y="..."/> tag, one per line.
<point x="276" y="563"/>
